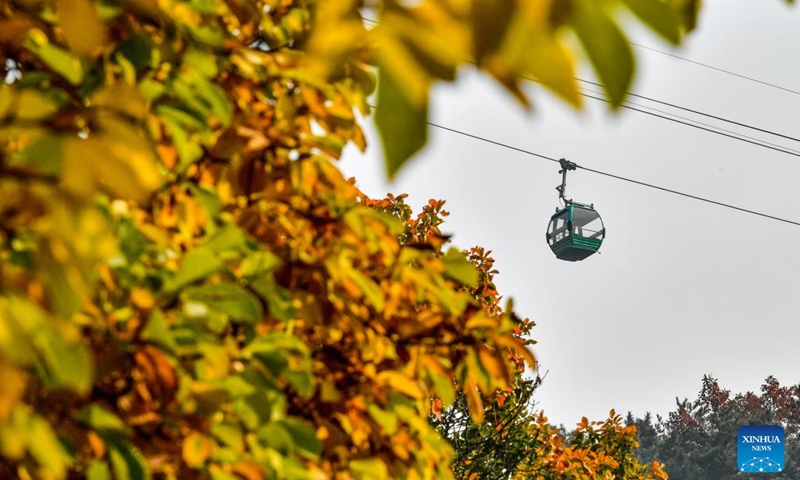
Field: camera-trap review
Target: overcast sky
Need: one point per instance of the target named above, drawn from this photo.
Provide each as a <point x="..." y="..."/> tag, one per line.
<point x="681" y="288"/>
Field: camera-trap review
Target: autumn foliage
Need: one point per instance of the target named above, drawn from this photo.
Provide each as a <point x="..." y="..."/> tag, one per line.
<point x="189" y="288"/>
<point x="698" y="439"/>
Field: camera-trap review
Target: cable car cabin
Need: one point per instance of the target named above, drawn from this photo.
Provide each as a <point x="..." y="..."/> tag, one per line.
<point x="575" y="232"/>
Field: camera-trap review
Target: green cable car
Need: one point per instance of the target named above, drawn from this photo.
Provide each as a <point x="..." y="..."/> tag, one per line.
<point x="576" y="231"/>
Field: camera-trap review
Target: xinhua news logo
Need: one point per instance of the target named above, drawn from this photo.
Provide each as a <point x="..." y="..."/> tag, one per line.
<point x="760" y="448"/>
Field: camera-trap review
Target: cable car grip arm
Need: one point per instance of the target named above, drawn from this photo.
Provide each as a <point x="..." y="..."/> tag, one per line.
<point x="562" y="189"/>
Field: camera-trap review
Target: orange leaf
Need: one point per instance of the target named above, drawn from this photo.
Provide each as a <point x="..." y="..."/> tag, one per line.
<point x="436" y="408"/>
<point x="501" y="399"/>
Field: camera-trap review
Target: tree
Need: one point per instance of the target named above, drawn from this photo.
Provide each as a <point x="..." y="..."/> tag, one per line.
<point x="517" y="442"/>
<point x="507" y="438"/>
<point x="189" y="288"/>
<point x="698" y="439"/>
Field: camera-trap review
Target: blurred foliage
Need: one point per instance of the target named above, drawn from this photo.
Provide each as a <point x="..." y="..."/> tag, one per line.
<point x="698" y="440"/>
<point x="419" y="43"/>
<point x="189" y="288"/>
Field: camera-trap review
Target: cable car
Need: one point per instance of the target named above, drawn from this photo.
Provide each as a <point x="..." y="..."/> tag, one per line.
<point x="576" y="231"/>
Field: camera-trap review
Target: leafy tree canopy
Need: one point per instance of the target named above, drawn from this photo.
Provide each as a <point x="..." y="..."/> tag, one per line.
<point x="698" y="440"/>
<point x="515" y="442"/>
<point x="189" y="288"/>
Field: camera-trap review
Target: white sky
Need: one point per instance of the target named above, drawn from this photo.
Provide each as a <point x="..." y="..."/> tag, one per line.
<point x="681" y="288"/>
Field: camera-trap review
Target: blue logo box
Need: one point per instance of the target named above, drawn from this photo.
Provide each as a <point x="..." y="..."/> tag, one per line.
<point x="760" y="449"/>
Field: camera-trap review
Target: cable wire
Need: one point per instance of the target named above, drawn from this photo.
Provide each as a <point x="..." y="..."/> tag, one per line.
<point x="717" y="68"/>
<point x="705" y="124"/>
<point x="697" y="112"/>
<point x="617" y="177"/>
<point x="739" y="137"/>
<point x="718" y="132"/>
<point x="708" y="128"/>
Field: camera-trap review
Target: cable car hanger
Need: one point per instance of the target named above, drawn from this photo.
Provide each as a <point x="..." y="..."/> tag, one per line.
<point x="576" y="230"/>
<point x="565" y="165"/>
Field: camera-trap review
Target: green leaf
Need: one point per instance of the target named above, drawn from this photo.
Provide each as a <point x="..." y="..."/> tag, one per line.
<point x="157" y="332"/>
<point x="197" y="264"/>
<point x="276" y="350"/>
<point x="271" y="356"/>
<point x="204" y="62"/>
<point x="658" y="16"/>
<point x="215" y="363"/>
<point x="687" y="11"/>
<point x="132" y="242"/>
<point x="278" y="299"/>
<point x="61" y="61"/>
<point x="138" y="50"/>
<point x="369" y="469"/>
<point x="44" y="155"/>
<point x="305" y="439"/>
<point x="302" y="381"/>
<point x="101" y="420"/>
<point x="199" y="313"/>
<point x="275" y="436"/>
<point x="458" y="268"/>
<point x="403" y="126"/>
<point x="253" y="410"/>
<point x="387" y="420"/>
<point x="607" y="47"/>
<point x="259" y="263"/>
<point x="227" y="298"/>
<point x="284" y="356"/>
<point x="98" y="470"/>
<point x="228" y="240"/>
<point x="207" y="198"/>
<point x="230" y="435"/>
<point x="30" y="337"/>
<point x="179" y="125"/>
<point x="45" y="447"/>
<point x="210" y="398"/>
<point x="237" y="386"/>
<point x="126" y="460"/>
<point x="371" y="290"/>
<point x="204" y="97"/>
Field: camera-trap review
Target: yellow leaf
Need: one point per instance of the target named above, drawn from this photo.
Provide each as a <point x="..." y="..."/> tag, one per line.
<point x="196" y="449"/>
<point x="539" y="54"/>
<point x="122" y="98"/>
<point x="11" y="389"/>
<point x="117" y="159"/>
<point x="474" y="401"/>
<point x="493" y="365"/>
<point x="481" y="320"/>
<point x="401" y="383"/>
<point x="81" y="25"/>
<point x="33" y="105"/>
<point x="396" y="61"/>
<point x="517" y="346"/>
<point x="606" y="46"/>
